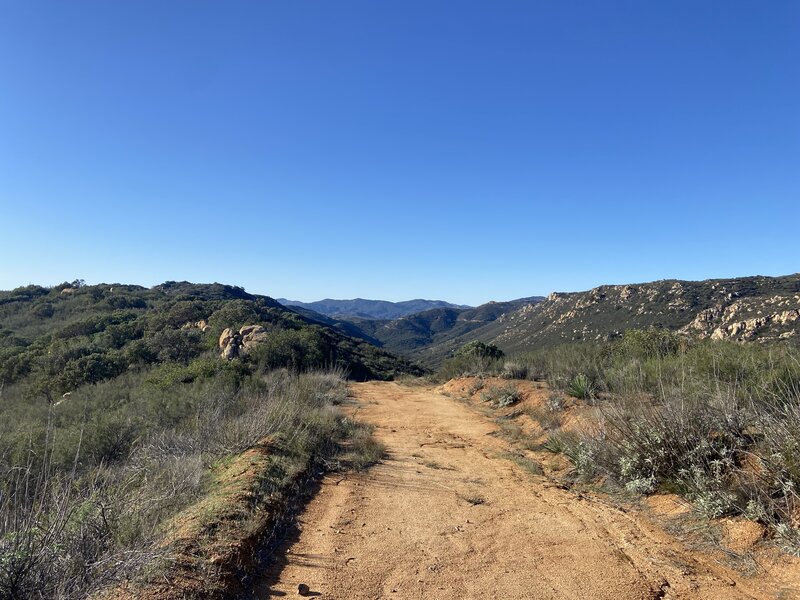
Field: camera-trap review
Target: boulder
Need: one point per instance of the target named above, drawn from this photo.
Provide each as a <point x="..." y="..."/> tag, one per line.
<point x="225" y="337"/>
<point x="253" y="339"/>
<point x="249" y="329"/>
<point x="230" y="351"/>
<point x="235" y="344"/>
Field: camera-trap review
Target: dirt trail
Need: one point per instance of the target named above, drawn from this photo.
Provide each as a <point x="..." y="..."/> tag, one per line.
<point x="446" y="516"/>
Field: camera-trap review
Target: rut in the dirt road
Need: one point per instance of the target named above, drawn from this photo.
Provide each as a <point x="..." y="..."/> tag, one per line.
<point x="446" y="516"/>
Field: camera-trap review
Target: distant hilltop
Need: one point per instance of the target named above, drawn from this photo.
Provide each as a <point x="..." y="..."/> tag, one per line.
<point x="370" y="309"/>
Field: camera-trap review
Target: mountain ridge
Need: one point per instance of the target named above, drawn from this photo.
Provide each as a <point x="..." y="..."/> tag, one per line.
<point x="755" y="308"/>
<point x="370" y="309"/>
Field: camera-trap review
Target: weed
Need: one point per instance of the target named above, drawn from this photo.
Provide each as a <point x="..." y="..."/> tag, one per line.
<point x="501" y="397"/>
<point x="528" y="464"/>
<point x="474" y="499"/>
<point x="476" y="386"/>
<point x="556" y="402"/>
<point x="559" y="441"/>
<point x="547" y="419"/>
<point x="514" y="370"/>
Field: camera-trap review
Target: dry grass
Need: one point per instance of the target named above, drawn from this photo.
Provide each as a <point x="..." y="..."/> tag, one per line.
<point x="189" y="497"/>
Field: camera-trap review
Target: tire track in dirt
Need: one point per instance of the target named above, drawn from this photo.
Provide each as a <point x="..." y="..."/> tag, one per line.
<point x="445" y="516"/>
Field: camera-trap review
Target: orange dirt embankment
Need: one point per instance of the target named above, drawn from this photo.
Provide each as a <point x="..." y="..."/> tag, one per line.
<point x="448" y="515"/>
<point x="213" y="542"/>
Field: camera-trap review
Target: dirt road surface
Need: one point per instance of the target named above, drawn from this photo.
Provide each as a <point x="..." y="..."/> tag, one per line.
<point x="446" y="515"/>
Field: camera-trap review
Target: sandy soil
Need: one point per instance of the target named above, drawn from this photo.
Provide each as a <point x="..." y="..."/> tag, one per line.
<point x="446" y="515"/>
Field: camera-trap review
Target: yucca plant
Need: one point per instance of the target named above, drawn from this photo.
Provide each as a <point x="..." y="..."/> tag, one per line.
<point x="581" y="387"/>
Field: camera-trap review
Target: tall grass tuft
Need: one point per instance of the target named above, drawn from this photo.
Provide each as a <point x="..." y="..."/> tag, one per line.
<point x="69" y="528"/>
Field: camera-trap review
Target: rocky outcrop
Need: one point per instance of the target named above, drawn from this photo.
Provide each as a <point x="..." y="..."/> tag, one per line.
<point x="759" y="309"/>
<point x="202" y="325"/>
<point x="750" y="328"/>
<point x="237" y="343"/>
<point x="744" y="319"/>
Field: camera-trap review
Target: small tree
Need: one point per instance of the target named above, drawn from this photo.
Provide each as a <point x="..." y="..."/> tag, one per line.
<point x="479" y="349"/>
<point x="473" y="358"/>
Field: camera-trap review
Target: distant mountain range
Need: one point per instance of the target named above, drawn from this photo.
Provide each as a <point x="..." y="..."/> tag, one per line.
<point x="412" y="333"/>
<point x="369" y="309"/>
<point x="756" y="309"/>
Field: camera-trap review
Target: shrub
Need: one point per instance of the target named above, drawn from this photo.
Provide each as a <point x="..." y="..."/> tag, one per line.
<point x="501" y="397"/>
<point x="649" y="343"/>
<point x="296" y="349"/>
<point x="84" y="506"/>
<point x="546" y="418"/>
<point x="555" y="402"/>
<point x="474" y="358"/>
<point x="477" y="348"/>
<point x="717" y="422"/>
<point x="514" y="370"/>
<point x="175" y="345"/>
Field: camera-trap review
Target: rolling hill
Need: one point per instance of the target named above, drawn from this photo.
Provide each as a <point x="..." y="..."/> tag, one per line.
<point x="62" y="337"/>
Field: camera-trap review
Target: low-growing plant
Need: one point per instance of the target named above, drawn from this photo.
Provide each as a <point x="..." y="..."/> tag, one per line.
<point x="560" y="441"/>
<point x="555" y="402"/>
<point x="475" y="499"/>
<point x="476" y="386"/>
<point x="717" y="422"/>
<point x="583" y="456"/>
<point x="501" y="397"/>
<point x="582" y="387"/>
<point x="547" y="419"/>
<point x="528" y="464"/>
<point x="70" y="528"/>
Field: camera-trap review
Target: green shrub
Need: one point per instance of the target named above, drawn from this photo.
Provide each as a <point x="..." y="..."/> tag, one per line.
<point x="581" y="387"/>
<point x="474" y="358"/>
<point x="479" y="349"/>
<point x="296" y="349"/>
<point x="714" y="421"/>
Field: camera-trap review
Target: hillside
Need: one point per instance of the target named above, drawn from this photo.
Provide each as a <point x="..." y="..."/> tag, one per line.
<point x="59" y="338"/>
<point x="369" y="309"/>
<point x="758" y="308"/>
<point x="162" y="429"/>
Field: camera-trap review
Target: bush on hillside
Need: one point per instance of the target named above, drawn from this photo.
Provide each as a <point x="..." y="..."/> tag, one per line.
<point x="715" y="421"/>
<point x="473" y="358"/>
<point x="480" y="350"/>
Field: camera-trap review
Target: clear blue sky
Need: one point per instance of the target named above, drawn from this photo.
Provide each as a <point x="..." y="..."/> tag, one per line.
<point x="464" y="150"/>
